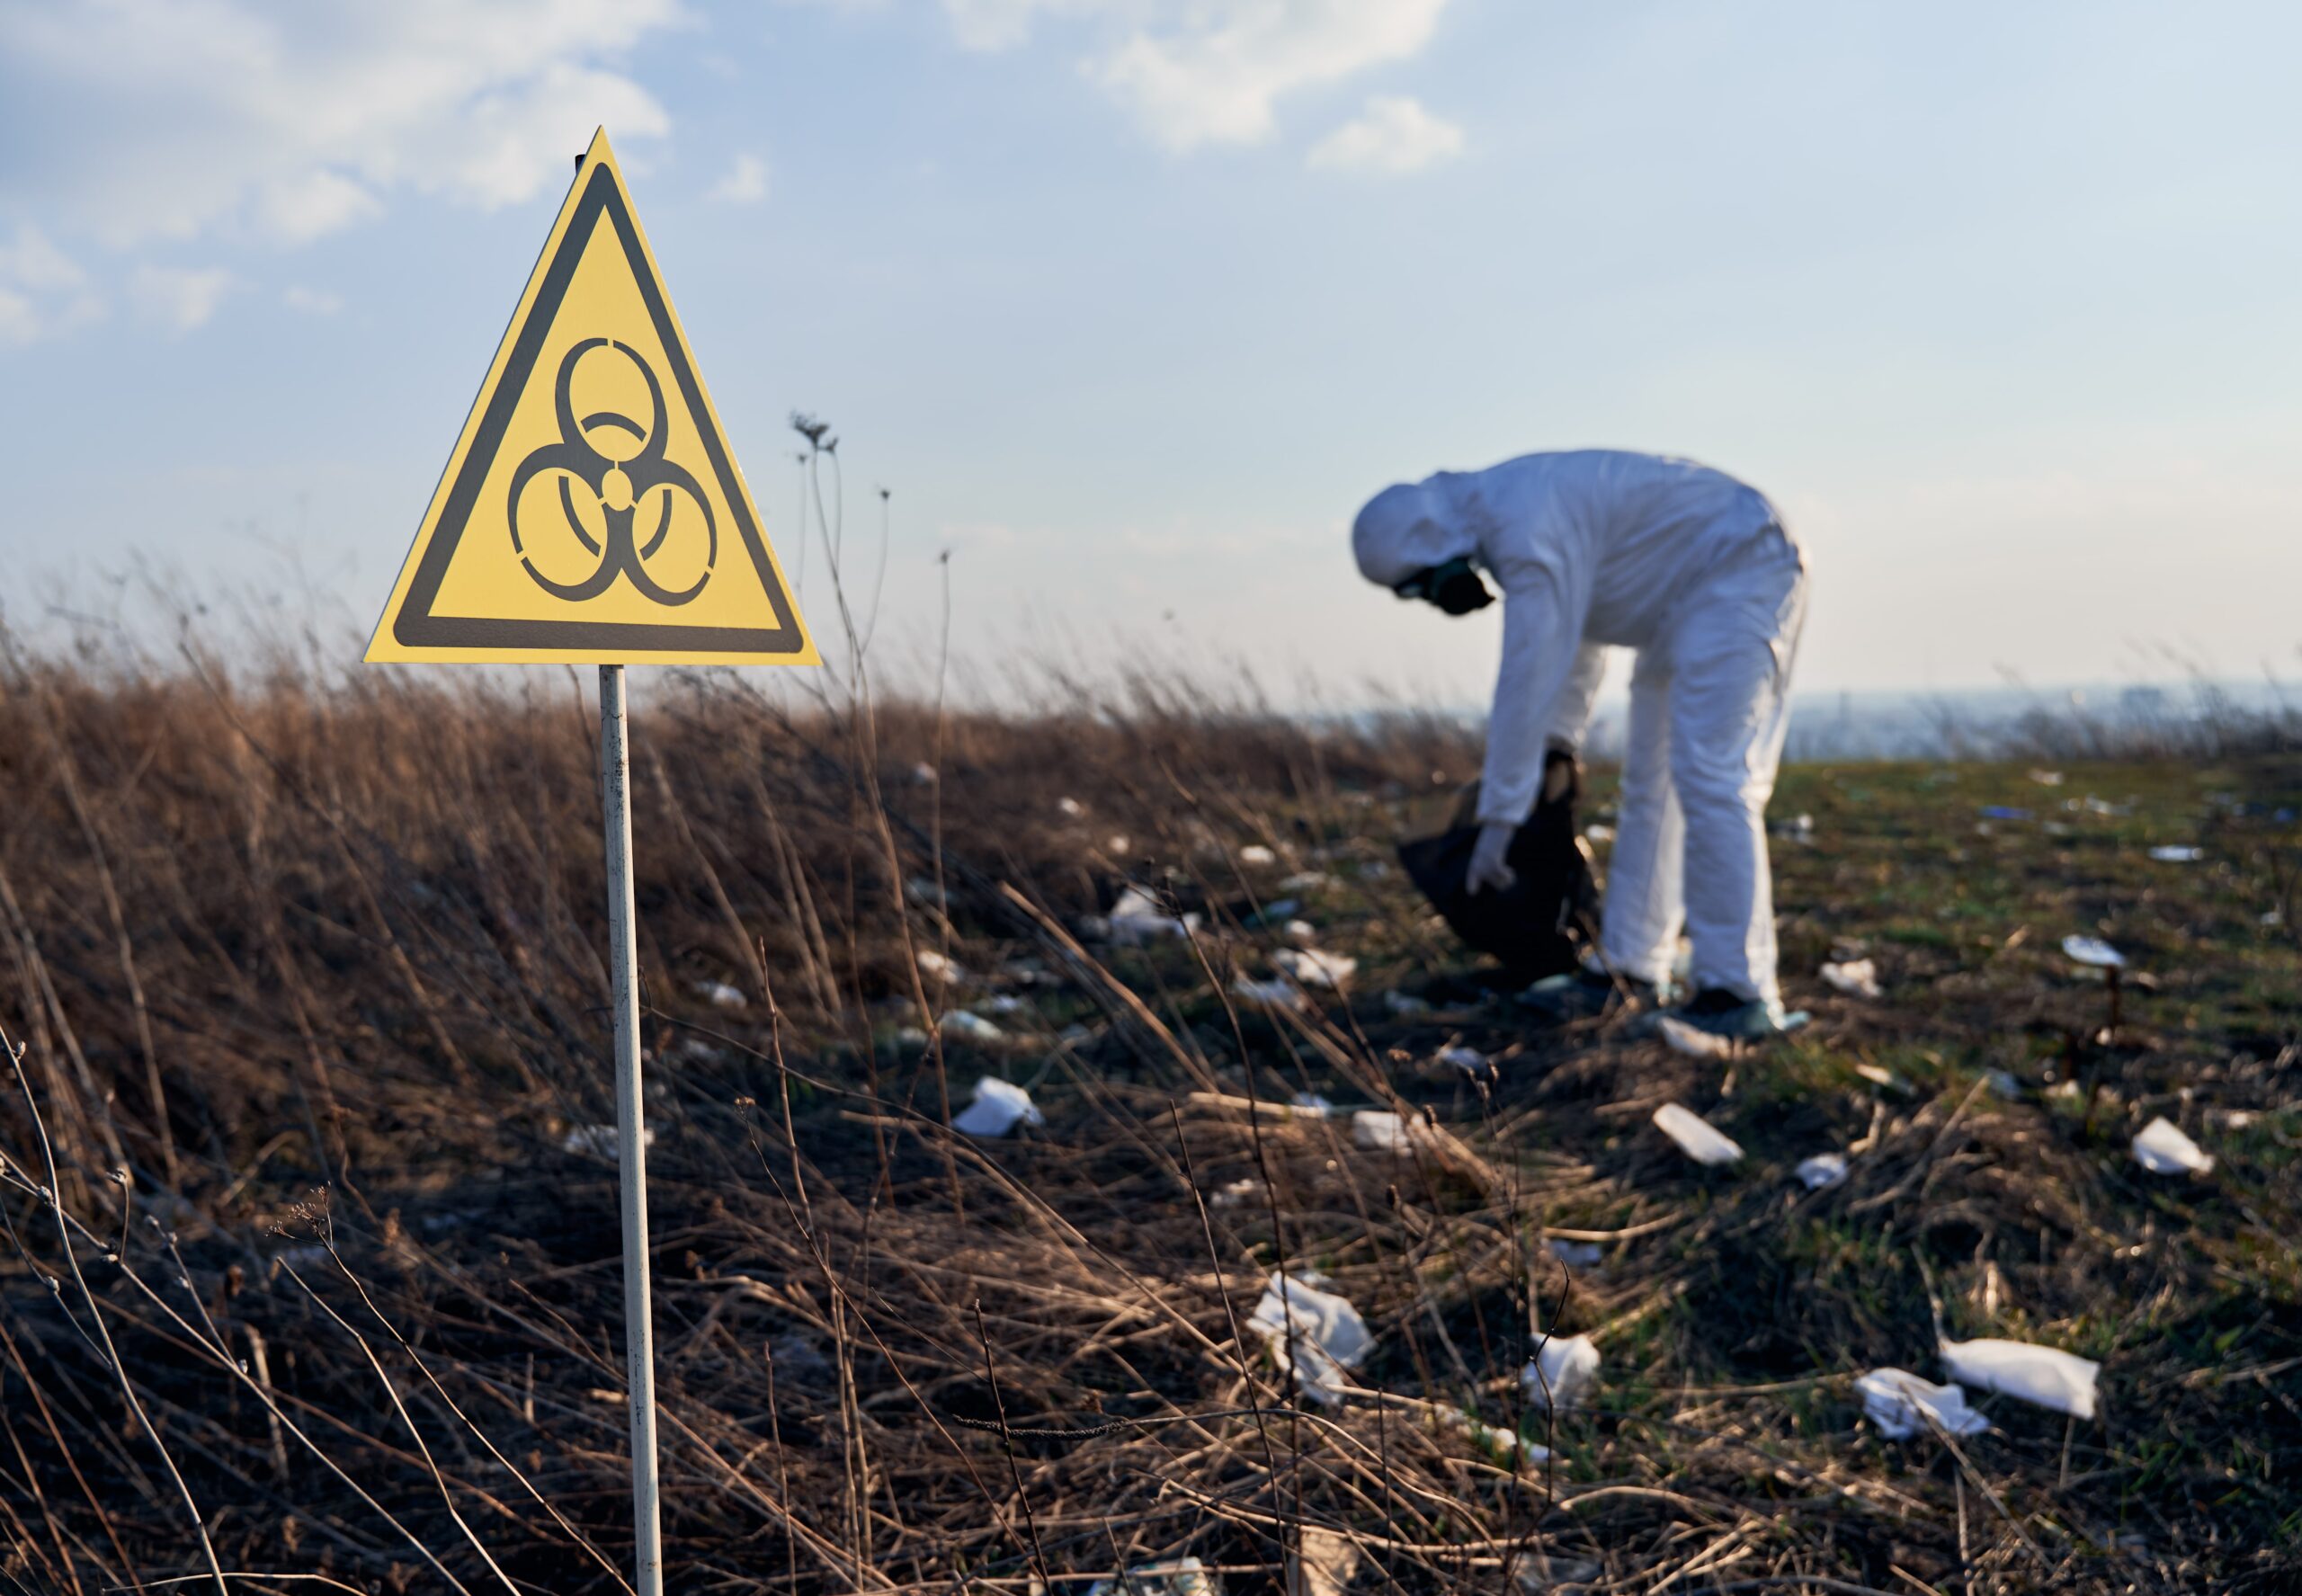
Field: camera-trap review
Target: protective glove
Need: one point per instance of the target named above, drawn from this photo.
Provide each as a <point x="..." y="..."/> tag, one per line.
<point x="1486" y="867"/>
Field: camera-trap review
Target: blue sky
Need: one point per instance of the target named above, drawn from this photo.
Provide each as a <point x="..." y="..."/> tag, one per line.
<point x="1132" y="302"/>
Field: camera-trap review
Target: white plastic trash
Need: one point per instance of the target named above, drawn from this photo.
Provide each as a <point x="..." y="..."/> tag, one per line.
<point x="1563" y="1370"/>
<point x="2163" y="1149"/>
<point x="1136" y="918"/>
<point x="998" y="1107"/>
<point x="1071" y="808"/>
<point x="1275" y="994"/>
<point x="1902" y="1405"/>
<point x="1857" y="977"/>
<point x="721" y="995"/>
<point x="2045" y="1376"/>
<point x="1576" y="1254"/>
<point x="1696" y="1135"/>
<point x="1823" y="1171"/>
<point x="2093" y="952"/>
<point x="1314" y="968"/>
<point x="1255" y="853"/>
<point x="1469" y="1060"/>
<point x="1234" y="1194"/>
<point x="2175" y="854"/>
<point x="1317" y="1332"/>
<point x="1379" y="1130"/>
<point x="1692" y="1040"/>
<point x="1182" y="1577"/>
<point x="960" y="1026"/>
<point x="938" y="966"/>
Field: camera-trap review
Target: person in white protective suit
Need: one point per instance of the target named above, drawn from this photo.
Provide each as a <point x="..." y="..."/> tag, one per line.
<point x="1696" y="572"/>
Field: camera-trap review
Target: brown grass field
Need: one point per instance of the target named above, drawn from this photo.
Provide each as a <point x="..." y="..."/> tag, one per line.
<point x="309" y="991"/>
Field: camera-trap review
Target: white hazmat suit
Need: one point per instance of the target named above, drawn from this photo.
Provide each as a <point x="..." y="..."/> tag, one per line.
<point x="1695" y="571"/>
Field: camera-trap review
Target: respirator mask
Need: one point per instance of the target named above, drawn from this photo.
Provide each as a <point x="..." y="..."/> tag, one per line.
<point x="1455" y="587"/>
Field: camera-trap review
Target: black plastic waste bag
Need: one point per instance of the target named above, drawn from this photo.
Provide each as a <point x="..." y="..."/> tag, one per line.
<point x="1542" y="923"/>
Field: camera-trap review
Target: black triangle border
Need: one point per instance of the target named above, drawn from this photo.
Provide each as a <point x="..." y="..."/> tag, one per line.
<point x="417" y="627"/>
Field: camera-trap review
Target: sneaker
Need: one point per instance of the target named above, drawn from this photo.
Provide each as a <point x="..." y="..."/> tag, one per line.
<point x="1586" y="994"/>
<point x="1725" y="1013"/>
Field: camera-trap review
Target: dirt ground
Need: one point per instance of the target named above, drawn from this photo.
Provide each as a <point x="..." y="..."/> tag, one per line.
<point x="309" y="994"/>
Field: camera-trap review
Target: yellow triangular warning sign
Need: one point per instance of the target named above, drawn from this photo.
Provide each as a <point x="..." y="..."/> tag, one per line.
<point x="592" y="510"/>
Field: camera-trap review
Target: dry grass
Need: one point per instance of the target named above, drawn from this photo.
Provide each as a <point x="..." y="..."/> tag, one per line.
<point x="321" y="971"/>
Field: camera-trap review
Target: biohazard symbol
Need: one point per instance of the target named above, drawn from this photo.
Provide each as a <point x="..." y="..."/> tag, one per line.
<point x="621" y="483"/>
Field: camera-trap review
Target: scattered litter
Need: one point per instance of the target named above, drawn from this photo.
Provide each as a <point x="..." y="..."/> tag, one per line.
<point x="1822" y="1172"/>
<point x="1274" y="993"/>
<point x="2176" y="854"/>
<point x="1317" y="1332"/>
<point x="1136" y="918"/>
<point x="1404" y="1003"/>
<point x="2003" y="812"/>
<point x="2095" y="805"/>
<point x="1469" y="1060"/>
<point x="2093" y="952"/>
<point x="1379" y="1130"/>
<point x="924" y="774"/>
<point x="961" y="1026"/>
<point x="1255" y="853"/>
<point x="2046" y="778"/>
<point x="941" y="967"/>
<point x="1310" y="1105"/>
<point x="1116" y="843"/>
<point x="1576" y="1254"/>
<point x="1306" y="881"/>
<point x="2164" y="1150"/>
<point x="721" y="995"/>
<point x="2004" y="1083"/>
<point x="1236" y="1194"/>
<point x="1300" y="931"/>
<point x="1324" y="1564"/>
<point x="2237" y="1119"/>
<point x="1489" y="1437"/>
<point x="1902" y="1405"/>
<point x="1563" y="1370"/>
<point x="598" y="1138"/>
<point x="1183" y="1576"/>
<point x="1071" y="807"/>
<point x="1857" y="977"/>
<point x="1692" y="1040"/>
<point x="1879" y="1075"/>
<point x="1697" y="1137"/>
<point x="1597" y="833"/>
<point x="1314" y="968"/>
<point x="1272" y="913"/>
<point x="2041" y="1375"/>
<point x="910" y="1036"/>
<point x="998" y="1107"/>
<point x="1002" y="1003"/>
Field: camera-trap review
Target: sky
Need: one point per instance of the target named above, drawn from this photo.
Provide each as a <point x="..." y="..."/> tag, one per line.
<point x="1129" y="304"/>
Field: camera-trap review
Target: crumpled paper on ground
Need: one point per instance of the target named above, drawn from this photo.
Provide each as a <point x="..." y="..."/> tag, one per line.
<point x="2045" y="1376"/>
<point x="1697" y="1137"/>
<point x="1821" y="1172"/>
<point x="1327" y="1335"/>
<point x="1314" y="968"/>
<point x="1901" y="1405"/>
<point x="998" y="1107"/>
<point x="1857" y="977"/>
<point x="2164" y="1150"/>
<point x="1563" y="1370"/>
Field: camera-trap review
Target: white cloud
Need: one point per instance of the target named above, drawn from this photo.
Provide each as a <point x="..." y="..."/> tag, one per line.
<point x="312" y="301"/>
<point x="1003" y="24"/>
<point x="1393" y="135"/>
<point x="42" y="290"/>
<point x="1213" y="76"/>
<point x="180" y="296"/>
<point x="149" y="119"/>
<point x="744" y="184"/>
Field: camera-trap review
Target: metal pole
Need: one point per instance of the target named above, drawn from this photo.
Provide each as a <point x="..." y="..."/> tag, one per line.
<point x="630" y="1133"/>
